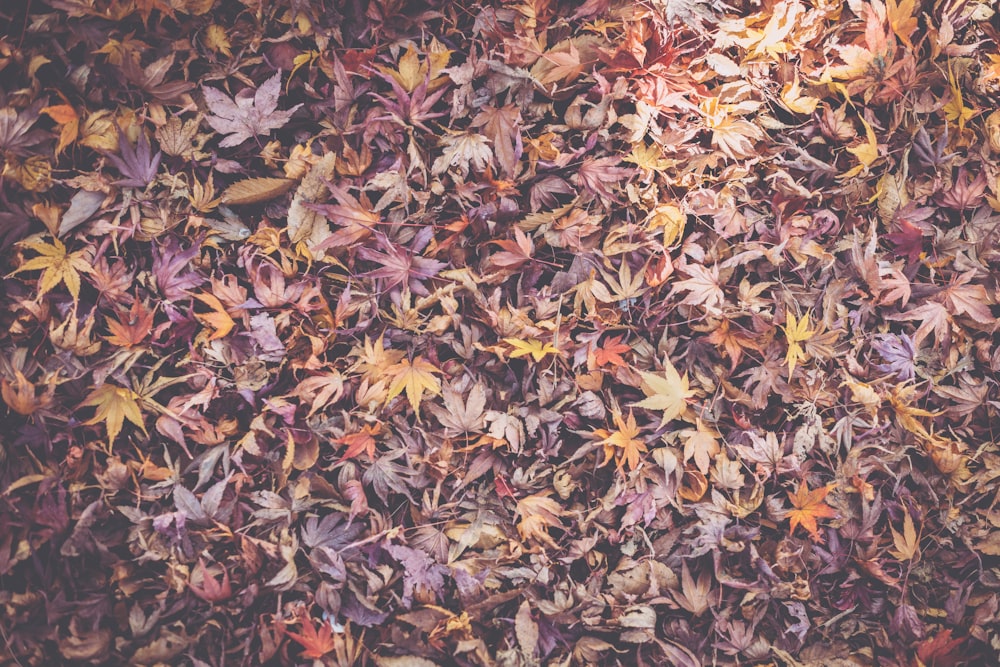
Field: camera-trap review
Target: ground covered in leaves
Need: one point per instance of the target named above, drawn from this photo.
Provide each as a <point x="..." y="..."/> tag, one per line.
<point x="410" y="334"/>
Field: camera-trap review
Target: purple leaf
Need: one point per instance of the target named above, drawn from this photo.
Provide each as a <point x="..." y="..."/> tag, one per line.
<point x="138" y="165"/>
<point x="899" y="354"/>
<point x="419" y="572"/>
<point x="170" y="265"/>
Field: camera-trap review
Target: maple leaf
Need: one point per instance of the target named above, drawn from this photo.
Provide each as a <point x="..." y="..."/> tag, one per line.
<point x="940" y="650"/>
<point x="965" y="299"/>
<point x="462" y="150"/>
<point x="402" y="266"/>
<point x="966" y="191"/>
<point x="218" y="319"/>
<point x="16" y="133"/>
<point x="907" y="543"/>
<point x="600" y="176"/>
<point x="410" y="108"/>
<point x="317" y="642"/>
<point x="694" y="596"/>
<point x="361" y="441"/>
<point x="515" y="253"/>
<point x="22" y="397"/>
<point x="57" y="266"/>
<point x="866" y="152"/>
<point x="458" y="416"/>
<point x="955" y="110"/>
<point x="538" y="513"/>
<point x="668" y="393"/>
<point x="66" y="116"/>
<point x="421" y="573"/>
<point x="134" y="328"/>
<point x="610" y="352"/>
<point x="908" y="241"/>
<point x="535" y="348"/>
<point x="415" y="377"/>
<point x="320" y="390"/>
<point x="899" y="353"/>
<point x="701" y="444"/>
<point x="501" y="127"/>
<point x="933" y="316"/>
<point x="704" y="287"/>
<point x="138" y="165"/>
<point x="808" y="506"/>
<point x="211" y="589"/>
<point x="169" y="270"/>
<point x="796" y="331"/>
<point x="901" y="19"/>
<point x="152" y="78"/>
<point x="249" y="114"/>
<point x="564" y="64"/>
<point x="114" y="405"/>
<point x="623" y="439"/>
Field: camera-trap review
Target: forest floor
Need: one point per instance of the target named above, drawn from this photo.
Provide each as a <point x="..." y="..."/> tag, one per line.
<point x="407" y="334"/>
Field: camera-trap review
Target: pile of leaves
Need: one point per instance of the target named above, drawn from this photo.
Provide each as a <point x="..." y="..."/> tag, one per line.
<point x="451" y="332"/>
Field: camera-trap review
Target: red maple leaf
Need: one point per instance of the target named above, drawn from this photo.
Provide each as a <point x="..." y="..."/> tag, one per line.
<point x="317" y="642"/>
<point x="940" y="650"/>
<point x="908" y="242"/>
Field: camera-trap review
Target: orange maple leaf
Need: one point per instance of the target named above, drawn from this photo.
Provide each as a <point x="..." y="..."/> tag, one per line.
<point x="623" y="439"/>
<point x="316" y="642"/>
<point x="133" y="329"/>
<point x="218" y="320"/>
<point x="808" y="507"/>
<point x="362" y="441"/>
<point x="611" y="352"/>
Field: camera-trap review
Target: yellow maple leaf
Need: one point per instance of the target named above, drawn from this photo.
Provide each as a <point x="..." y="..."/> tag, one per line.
<point x="955" y="110"/>
<point x="535" y="348"/>
<point x="901" y="19"/>
<point x="795" y="101"/>
<point x="114" y="405"/>
<point x="624" y="439"/>
<point x="415" y="377"/>
<point x="668" y="393"/>
<point x="866" y="152"/>
<point x="796" y="331"/>
<point x="57" y="266"/>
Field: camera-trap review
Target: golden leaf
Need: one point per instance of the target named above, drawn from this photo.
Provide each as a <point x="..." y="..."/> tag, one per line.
<point x="57" y="266"/>
<point x="796" y="331"/>
<point x="114" y="405"/>
<point x="535" y="348"/>
<point x="415" y="377"/>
